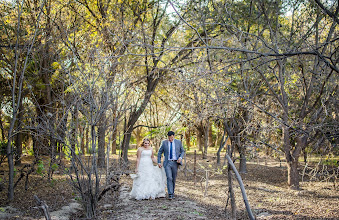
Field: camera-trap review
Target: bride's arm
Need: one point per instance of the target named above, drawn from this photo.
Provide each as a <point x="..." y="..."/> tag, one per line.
<point x="153" y="158"/>
<point x="138" y="160"/>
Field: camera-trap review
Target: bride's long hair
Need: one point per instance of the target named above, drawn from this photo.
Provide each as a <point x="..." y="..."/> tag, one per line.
<point x="143" y="141"/>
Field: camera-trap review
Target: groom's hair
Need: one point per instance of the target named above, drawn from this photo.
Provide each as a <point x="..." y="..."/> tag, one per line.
<point x="170" y="133"/>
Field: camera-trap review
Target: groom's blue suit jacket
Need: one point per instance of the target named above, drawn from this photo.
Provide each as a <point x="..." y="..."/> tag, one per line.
<point x="179" y="150"/>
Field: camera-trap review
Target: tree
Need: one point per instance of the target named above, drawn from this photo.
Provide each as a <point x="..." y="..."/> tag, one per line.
<point x="18" y="73"/>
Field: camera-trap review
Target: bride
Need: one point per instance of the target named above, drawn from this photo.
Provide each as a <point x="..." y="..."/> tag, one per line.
<point x="149" y="181"/>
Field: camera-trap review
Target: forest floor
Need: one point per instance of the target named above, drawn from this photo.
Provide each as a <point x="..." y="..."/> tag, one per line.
<point x="265" y="184"/>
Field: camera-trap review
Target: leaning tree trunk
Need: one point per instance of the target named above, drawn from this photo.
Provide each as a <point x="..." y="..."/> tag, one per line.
<point x="151" y="85"/>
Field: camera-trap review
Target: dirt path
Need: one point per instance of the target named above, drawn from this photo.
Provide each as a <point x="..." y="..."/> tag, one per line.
<point x="160" y="208"/>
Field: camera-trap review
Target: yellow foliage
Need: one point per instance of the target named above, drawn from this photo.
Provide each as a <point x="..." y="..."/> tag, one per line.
<point x="56" y="65"/>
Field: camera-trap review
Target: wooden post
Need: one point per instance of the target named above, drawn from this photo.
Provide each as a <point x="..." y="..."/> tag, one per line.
<point x="195" y="168"/>
<point x="206" y="186"/>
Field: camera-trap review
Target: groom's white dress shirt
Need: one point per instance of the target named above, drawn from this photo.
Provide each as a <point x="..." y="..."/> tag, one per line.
<point x="174" y="156"/>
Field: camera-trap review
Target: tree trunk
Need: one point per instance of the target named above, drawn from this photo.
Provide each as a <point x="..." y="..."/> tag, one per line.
<point x="210" y="135"/>
<point x="125" y="144"/>
<point x="114" y="140"/>
<point x="291" y="160"/>
<point x="1" y="127"/>
<point x="18" y="141"/>
<point x="218" y="140"/>
<point x="62" y="133"/>
<point x="293" y="174"/>
<point x="53" y="146"/>
<point x="206" y="131"/>
<point x="222" y="145"/>
<point x="230" y="188"/>
<point x="11" y="168"/>
<point x="74" y="130"/>
<point x="88" y="151"/>
<point x="242" y="164"/>
<point x="101" y="141"/>
<point x="200" y="138"/>
<point x="35" y="150"/>
<point x="82" y="139"/>
<point x="42" y="145"/>
<point x="137" y="133"/>
<point x="188" y="139"/>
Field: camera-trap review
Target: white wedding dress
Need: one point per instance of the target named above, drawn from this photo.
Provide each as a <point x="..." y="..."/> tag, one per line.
<point x="150" y="180"/>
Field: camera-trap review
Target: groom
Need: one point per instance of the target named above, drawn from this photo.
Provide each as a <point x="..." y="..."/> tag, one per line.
<point x="173" y="153"/>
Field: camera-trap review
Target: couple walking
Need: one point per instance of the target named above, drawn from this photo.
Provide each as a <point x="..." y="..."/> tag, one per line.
<point x="150" y="180"/>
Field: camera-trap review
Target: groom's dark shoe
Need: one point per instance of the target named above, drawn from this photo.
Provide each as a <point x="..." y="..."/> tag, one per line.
<point x="170" y="197"/>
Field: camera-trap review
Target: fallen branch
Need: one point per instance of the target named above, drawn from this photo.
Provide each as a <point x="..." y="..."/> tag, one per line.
<point x="114" y="187"/>
<point x="42" y="205"/>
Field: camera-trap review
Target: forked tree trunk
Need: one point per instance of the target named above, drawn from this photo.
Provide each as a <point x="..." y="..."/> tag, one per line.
<point x="292" y="157"/>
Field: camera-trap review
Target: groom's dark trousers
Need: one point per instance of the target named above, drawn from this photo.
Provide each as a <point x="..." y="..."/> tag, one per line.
<point x="171" y="172"/>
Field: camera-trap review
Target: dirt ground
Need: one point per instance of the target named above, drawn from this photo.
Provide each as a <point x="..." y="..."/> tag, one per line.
<point x="265" y="184"/>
